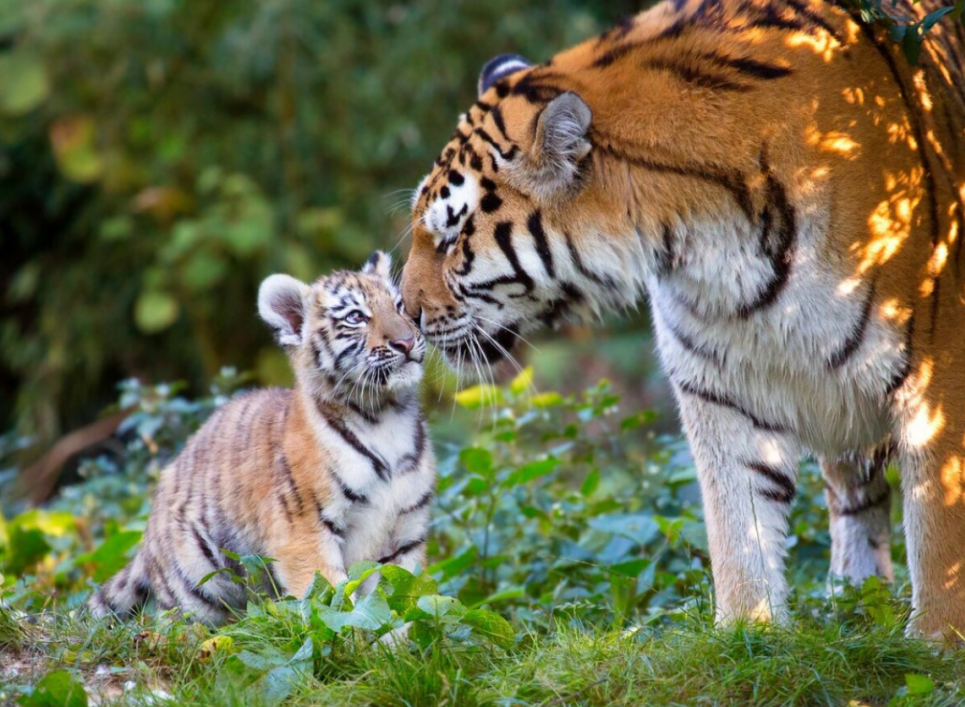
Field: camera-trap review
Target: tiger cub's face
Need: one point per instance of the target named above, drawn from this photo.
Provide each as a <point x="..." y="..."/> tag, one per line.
<point x="346" y="334"/>
<point x="497" y="223"/>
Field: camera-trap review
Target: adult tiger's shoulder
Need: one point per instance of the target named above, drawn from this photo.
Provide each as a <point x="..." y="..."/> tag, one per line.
<point x="790" y="193"/>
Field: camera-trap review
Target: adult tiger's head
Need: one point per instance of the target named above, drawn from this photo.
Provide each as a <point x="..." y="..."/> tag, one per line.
<point x="346" y="334"/>
<point x="516" y="226"/>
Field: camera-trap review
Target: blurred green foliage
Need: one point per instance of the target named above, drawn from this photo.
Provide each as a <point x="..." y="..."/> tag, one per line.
<point x="159" y="157"/>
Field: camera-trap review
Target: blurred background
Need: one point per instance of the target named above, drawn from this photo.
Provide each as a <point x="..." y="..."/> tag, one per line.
<point x="158" y="158"/>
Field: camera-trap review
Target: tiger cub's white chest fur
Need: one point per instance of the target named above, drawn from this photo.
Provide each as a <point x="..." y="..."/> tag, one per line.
<point x="384" y="469"/>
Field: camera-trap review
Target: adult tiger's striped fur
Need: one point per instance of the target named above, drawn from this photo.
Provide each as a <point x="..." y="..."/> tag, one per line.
<point x="790" y="194"/>
<point x="336" y="471"/>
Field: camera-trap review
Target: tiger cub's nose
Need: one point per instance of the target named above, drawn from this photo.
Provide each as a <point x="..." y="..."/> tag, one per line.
<point x="404" y="345"/>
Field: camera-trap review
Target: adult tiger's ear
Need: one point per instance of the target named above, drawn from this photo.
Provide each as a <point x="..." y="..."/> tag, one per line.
<point x="379" y="263"/>
<point x="281" y="303"/>
<point x="560" y="142"/>
<point x="499" y="68"/>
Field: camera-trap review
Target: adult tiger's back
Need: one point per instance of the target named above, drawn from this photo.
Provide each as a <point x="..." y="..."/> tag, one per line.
<point x="790" y="193"/>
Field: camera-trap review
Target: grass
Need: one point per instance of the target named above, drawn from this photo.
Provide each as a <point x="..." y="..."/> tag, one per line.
<point x="810" y="662"/>
<point x="569" y="567"/>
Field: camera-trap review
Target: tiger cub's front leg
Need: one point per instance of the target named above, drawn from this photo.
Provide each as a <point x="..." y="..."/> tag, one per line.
<point x="747" y="468"/>
<point x="303" y="554"/>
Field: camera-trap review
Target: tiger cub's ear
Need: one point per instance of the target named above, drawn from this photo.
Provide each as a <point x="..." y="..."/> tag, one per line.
<point x="560" y="143"/>
<point x="281" y="303"/>
<point x="380" y="264"/>
<point x="499" y="68"/>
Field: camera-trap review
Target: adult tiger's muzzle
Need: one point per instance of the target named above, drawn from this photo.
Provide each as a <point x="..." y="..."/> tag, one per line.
<point x="424" y="291"/>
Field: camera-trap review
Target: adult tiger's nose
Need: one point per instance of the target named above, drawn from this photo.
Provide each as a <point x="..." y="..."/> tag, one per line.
<point x="403" y="345"/>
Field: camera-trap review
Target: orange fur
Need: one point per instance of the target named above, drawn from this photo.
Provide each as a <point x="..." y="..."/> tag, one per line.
<point x="738" y="111"/>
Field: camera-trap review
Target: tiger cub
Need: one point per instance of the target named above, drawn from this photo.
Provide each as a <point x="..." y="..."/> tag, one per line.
<point x="335" y="471"/>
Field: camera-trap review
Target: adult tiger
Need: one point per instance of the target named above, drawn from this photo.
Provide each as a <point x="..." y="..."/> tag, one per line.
<point x="790" y="194"/>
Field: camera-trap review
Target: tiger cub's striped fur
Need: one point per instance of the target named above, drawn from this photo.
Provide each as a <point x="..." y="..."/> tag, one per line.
<point x="335" y="471"/>
<point x="790" y="194"/>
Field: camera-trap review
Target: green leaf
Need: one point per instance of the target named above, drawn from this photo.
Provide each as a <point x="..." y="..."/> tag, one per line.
<point x="111" y="556"/>
<point x="505" y="595"/>
<point x="24" y="85"/>
<point x="407" y="587"/>
<point x="371" y="612"/>
<point x="631" y="568"/>
<point x="932" y="18"/>
<point x="275" y="687"/>
<point x="73" y="140"/>
<point x="455" y="565"/>
<point x="546" y="400"/>
<point x="590" y="483"/>
<point x="911" y="44"/>
<point x="919" y="684"/>
<point x="58" y="689"/>
<point x="476" y="486"/>
<point x="27" y="548"/>
<point x="639" y="527"/>
<point x="155" y="311"/>
<point x="477" y="460"/>
<point x="438" y="606"/>
<point x="644" y="417"/>
<point x="521" y="383"/>
<point x="479" y="396"/>
<point x="56" y="524"/>
<point x="490" y="625"/>
<point x="530" y="472"/>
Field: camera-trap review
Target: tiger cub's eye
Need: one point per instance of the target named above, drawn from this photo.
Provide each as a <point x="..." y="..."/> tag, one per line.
<point x="355" y="317"/>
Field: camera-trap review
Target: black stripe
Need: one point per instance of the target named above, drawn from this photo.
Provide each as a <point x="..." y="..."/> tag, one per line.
<point x="504" y="239"/>
<point x="378" y="465"/>
<point x="351" y="495"/>
<point x="166" y="597"/>
<point x="667" y="257"/>
<point x="507" y="155"/>
<point x="749" y="67"/>
<point x="898" y="380"/>
<point x="786" y="490"/>
<point x="708" y="354"/>
<point x="413" y="544"/>
<point x="853" y="342"/>
<point x="535" y="226"/>
<point x="205" y="549"/>
<point x="730" y="179"/>
<point x="604" y="280"/>
<point x="497" y="115"/>
<point x="724" y="401"/>
<point x="778" y="243"/>
<point x="868" y="504"/>
<point x="692" y="75"/>
<point x="332" y="528"/>
<point x="768" y="17"/>
<point x="410" y="462"/>
<point x="350" y="350"/>
<point x="532" y="86"/>
<point x="935" y="301"/>
<point x="913" y="118"/>
<point x="815" y="19"/>
<point x="193" y="590"/>
<point x="421" y="503"/>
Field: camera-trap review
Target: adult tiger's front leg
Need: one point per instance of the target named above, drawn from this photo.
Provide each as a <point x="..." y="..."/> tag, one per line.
<point x="859" y="506"/>
<point x="747" y="470"/>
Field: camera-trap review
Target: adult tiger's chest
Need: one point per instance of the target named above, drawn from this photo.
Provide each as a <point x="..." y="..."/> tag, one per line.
<point x="784" y="333"/>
